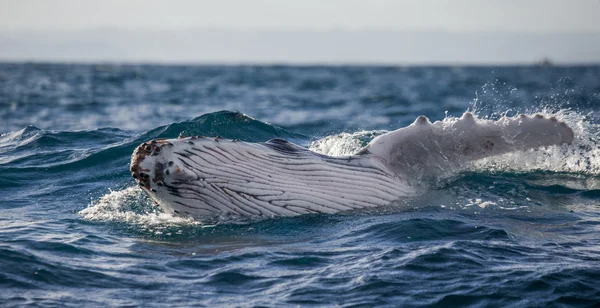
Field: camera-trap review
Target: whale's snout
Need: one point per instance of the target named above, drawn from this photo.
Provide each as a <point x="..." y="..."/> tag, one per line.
<point x="147" y="164"/>
<point x="168" y="170"/>
<point x="155" y="164"/>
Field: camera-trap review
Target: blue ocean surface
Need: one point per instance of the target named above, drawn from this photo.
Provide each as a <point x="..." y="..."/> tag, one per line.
<point x="521" y="229"/>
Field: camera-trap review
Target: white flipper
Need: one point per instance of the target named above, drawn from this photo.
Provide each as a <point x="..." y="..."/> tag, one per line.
<point x="423" y="146"/>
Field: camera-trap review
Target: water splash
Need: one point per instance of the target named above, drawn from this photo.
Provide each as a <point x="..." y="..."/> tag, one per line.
<point x="132" y="206"/>
<point x="344" y="144"/>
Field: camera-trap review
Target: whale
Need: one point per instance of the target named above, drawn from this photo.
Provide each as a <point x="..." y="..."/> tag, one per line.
<point x="201" y="177"/>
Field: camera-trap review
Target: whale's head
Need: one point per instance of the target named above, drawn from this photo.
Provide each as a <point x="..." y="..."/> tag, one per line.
<point x="159" y="170"/>
<point x="155" y="163"/>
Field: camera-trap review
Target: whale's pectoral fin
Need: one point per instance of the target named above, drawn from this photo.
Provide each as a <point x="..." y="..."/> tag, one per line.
<point x="452" y="141"/>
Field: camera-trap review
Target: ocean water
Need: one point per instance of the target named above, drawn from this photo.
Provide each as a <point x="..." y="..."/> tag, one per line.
<point x="521" y="229"/>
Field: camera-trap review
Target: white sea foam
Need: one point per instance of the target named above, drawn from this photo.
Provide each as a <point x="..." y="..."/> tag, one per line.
<point x="344" y="143"/>
<point x="131" y="205"/>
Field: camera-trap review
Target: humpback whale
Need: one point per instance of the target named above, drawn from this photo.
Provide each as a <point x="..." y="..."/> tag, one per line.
<point x="211" y="176"/>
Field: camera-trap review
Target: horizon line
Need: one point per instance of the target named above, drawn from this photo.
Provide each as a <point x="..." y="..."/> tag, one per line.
<point x="310" y="30"/>
<point x="539" y="63"/>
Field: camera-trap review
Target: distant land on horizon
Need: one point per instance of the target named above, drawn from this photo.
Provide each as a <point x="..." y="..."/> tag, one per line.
<point x="336" y="47"/>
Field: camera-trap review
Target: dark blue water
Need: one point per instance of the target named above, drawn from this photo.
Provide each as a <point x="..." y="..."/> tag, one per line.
<point x="517" y="230"/>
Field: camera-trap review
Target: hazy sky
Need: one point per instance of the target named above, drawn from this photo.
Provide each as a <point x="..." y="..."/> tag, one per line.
<point x="301" y="31"/>
<point x="455" y="15"/>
